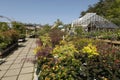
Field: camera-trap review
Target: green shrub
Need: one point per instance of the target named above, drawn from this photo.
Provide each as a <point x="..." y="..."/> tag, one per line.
<point x="81" y="42"/>
<point x="78" y="59"/>
<point x="22" y="36"/>
<point x="3" y="45"/>
<point x="53" y="69"/>
<point x="8" y="38"/>
<point x="46" y="40"/>
<point x="4" y="26"/>
<point x="64" y="50"/>
<point x="106" y="65"/>
<point x="56" y="35"/>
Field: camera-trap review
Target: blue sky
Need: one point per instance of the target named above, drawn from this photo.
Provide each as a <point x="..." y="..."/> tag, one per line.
<point x="44" y="11"/>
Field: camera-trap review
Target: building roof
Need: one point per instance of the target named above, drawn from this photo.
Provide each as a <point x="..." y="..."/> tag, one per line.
<point x="94" y="19"/>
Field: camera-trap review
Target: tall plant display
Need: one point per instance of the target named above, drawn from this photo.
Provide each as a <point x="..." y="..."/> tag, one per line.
<point x="76" y="58"/>
<point x="8" y="37"/>
<point x="56" y="35"/>
<point x="20" y="28"/>
<point x="3" y="26"/>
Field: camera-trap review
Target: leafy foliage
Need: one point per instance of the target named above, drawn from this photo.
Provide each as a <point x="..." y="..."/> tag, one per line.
<point x="76" y="57"/>
<point x="45" y="29"/>
<point x="56" y="35"/>
<point x="109" y="9"/>
<point x="64" y="50"/>
<point x="46" y="40"/>
<point x="3" y="26"/>
<point x="19" y="27"/>
<point x="91" y="50"/>
<point x="79" y="30"/>
<point x="57" y="23"/>
<point x="7" y="38"/>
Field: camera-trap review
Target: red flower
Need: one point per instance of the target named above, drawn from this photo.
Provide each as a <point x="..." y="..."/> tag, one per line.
<point x="117" y="61"/>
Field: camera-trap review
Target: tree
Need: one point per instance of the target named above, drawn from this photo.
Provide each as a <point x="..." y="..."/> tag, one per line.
<point x="56" y="35"/>
<point x="79" y="30"/>
<point x="3" y="26"/>
<point x="45" y="29"/>
<point x="19" y="27"/>
<point x="58" y="23"/>
<point x="110" y="9"/>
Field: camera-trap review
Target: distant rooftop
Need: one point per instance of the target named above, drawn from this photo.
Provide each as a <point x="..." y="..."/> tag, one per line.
<point x="93" y="19"/>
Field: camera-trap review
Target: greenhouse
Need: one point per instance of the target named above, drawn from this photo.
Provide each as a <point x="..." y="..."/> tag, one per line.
<point x="92" y="21"/>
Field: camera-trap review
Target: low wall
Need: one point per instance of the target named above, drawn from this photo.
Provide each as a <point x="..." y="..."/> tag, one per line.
<point x="7" y="50"/>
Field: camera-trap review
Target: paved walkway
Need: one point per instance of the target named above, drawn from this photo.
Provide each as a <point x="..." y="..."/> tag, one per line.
<point x="16" y="67"/>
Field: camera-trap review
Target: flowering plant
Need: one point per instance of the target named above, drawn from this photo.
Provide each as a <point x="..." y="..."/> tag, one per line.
<point x="7" y="38"/>
<point x="46" y="40"/>
<point x="90" y="49"/>
<point x="64" y="50"/>
<point x="42" y="50"/>
<point x="56" y="36"/>
<point x="77" y="59"/>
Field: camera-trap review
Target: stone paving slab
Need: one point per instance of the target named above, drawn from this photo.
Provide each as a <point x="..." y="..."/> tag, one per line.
<point x="2" y="73"/>
<point x="10" y="78"/>
<point x="14" y="55"/>
<point x="22" y="55"/>
<point x="26" y="70"/>
<point x="10" y="59"/>
<point x="26" y="77"/>
<point x="12" y="72"/>
<point x="4" y="67"/>
<point x="28" y="65"/>
<point x="8" y="62"/>
<point x="16" y="66"/>
<point x="19" y="61"/>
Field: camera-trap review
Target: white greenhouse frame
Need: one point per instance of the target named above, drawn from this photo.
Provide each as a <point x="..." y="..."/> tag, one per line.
<point x="92" y="21"/>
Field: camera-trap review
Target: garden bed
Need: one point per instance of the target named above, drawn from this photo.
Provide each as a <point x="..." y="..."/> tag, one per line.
<point x="8" y="49"/>
<point x="76" y="57"/>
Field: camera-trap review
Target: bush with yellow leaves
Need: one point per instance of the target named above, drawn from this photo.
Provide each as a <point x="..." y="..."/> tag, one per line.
<point x="90" y="49"/>
<point x="64" y="50"/>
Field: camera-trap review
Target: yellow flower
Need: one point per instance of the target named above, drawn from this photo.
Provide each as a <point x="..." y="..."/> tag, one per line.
<point x="65" y="50"/>
<point x="63" y="42"/>
<point x="36" y="50"/>
<point x="46" y="78"/>
<point x="91" y="50"/>
<point x="105" y="78"/>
